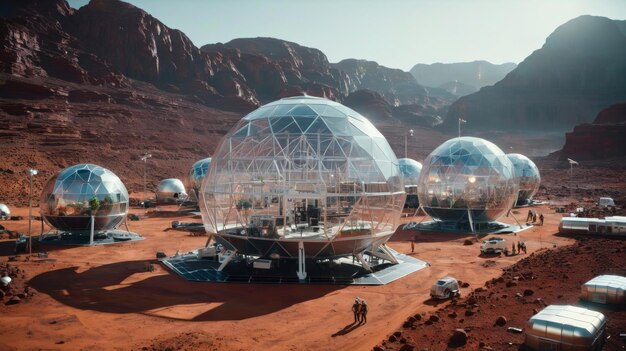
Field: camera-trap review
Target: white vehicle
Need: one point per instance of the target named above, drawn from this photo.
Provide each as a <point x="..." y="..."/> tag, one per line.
<point x="606" y="202"/>
<point x="445" y="288"/>
<point x="493" y="245"/>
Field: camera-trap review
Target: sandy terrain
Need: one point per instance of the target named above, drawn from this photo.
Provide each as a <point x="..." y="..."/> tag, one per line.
<point x="103" y="298"/>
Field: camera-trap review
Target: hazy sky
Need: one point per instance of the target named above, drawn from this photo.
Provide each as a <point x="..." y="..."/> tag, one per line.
<point x="395" y="33"/>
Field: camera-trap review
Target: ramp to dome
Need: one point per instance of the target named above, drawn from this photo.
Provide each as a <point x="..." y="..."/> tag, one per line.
<point x="341" y="271"/>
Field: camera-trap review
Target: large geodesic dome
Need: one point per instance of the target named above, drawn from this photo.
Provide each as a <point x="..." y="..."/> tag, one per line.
<point x="197" y="173"/>
<point x="527" y="175"/>
<point x="76" y="193"/>
<point x="302" y="171"/>
<point x="467" y="175"/>
<point x="170" y="191"/>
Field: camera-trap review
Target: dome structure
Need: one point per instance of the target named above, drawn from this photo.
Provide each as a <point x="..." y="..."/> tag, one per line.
<point x="197" y="173"/>
<point x="410" y="172"/>
<point x="527" y="175"/>
<point x="5" y="212"/>
<point x="76" y="193"/>
<point x="467" y="175"/>
<point x="170" y="191"/>
<point x="302" y="172"/>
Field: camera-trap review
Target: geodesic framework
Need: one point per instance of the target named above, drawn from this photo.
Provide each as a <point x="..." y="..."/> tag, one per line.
<point x="302" y="173"/>
<point x="76" y="193"/>
<point x="527" y="175"/>
<point x="198" y="170"/>
<point x="467" y="175"/>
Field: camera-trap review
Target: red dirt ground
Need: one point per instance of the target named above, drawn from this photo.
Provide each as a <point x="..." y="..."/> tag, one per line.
<point x="102" y="298"/>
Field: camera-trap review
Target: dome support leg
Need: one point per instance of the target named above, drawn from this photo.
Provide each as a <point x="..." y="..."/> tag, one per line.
<point x="364" y="263"/>
<point x="301" y="261"/>
<point x="93" y="221"/>
<point x="469" y="216"/>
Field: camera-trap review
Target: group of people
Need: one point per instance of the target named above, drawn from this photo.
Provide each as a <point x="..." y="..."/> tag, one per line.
<point x="532" y="217"/>
<point x="359" y="308"/>
<point x="521" y="246"/>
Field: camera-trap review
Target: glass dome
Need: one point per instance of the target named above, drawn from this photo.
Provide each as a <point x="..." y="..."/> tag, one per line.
<point x="5" y="211"/>
<point x="302" y="169"/>
<point x="528" y="178"/>
<point x="171" y="191"/>
<point x="70" y="198"/>
<point x="464" y="174"/>
<point x="410" y="172"/>
<point x="197" y="173"/>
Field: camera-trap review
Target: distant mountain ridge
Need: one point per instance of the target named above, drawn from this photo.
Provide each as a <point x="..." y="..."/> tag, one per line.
<point x="461" y="78"/>
<point x="110" y="41"/>
<point x="580" y="70"/>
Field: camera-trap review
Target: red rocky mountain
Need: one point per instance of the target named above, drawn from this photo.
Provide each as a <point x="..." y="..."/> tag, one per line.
<point x="604" y="138"/>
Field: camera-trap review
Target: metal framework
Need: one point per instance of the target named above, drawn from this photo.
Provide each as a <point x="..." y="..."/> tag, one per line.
<point x="302" y="178"/>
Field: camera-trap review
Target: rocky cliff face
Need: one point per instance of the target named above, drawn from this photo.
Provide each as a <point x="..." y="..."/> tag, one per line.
<point x="601" y="139"/>
<point x="396" y="86"/>
<point x="377" y="109"/>
<point x="461" y="78"/>
<point x="578" y="71"/>
<point x="287" y="64"/>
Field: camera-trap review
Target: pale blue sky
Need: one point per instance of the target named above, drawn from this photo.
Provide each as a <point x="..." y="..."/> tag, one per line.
<point x="395" y="33"/>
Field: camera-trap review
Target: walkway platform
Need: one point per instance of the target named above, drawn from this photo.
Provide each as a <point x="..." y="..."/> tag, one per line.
<point x="341" y="271"/>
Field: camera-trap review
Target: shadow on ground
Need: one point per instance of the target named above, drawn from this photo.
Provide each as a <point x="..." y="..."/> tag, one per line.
<point x="104" y="289"/>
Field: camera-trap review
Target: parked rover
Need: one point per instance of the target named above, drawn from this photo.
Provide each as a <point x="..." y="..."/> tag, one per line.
<point x="493" y="245"/>
<point x="445" y="288"/>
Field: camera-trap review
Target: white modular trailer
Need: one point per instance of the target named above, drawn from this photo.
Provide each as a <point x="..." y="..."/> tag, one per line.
<point x="615" y="225"/>
<point x="566" y="328"/>
<point x="607" y="289"/>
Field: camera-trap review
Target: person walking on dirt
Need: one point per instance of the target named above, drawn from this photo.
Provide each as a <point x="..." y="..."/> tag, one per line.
<point x="513" y="248"/>
<point x="412" y="246"/>
<point x="519" y="246"/>
<point x="356" y="309"/>
<point x="530" y="216"/>
<point x="363" y="312"/>
<point x="541" y="218"/>
<point x="534" y="217"/>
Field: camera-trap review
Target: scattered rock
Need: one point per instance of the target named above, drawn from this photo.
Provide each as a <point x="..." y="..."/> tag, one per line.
<point x="459" y="338"/>
<point x="472" y="300"/>
<point x="501" y="321"/>
<point x="14" y="300"/>
<point x="407" y="347"/>
<point x="60" y="342"/>
<point x="468" y="242"/>
<point x="469" y="313"/>
<point x="418" y="317"/>
<point x="397" y="333"/>
<point x="21" y="295"/>
<point x="378" y="348"/>
<point x="392" y="338"/>
<point x="528" y="292"/>
<point x="511" y="283"/>
<point x="434" y="318"/>
<point x="452" y="314"/>
<point x="465" y="285"/>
